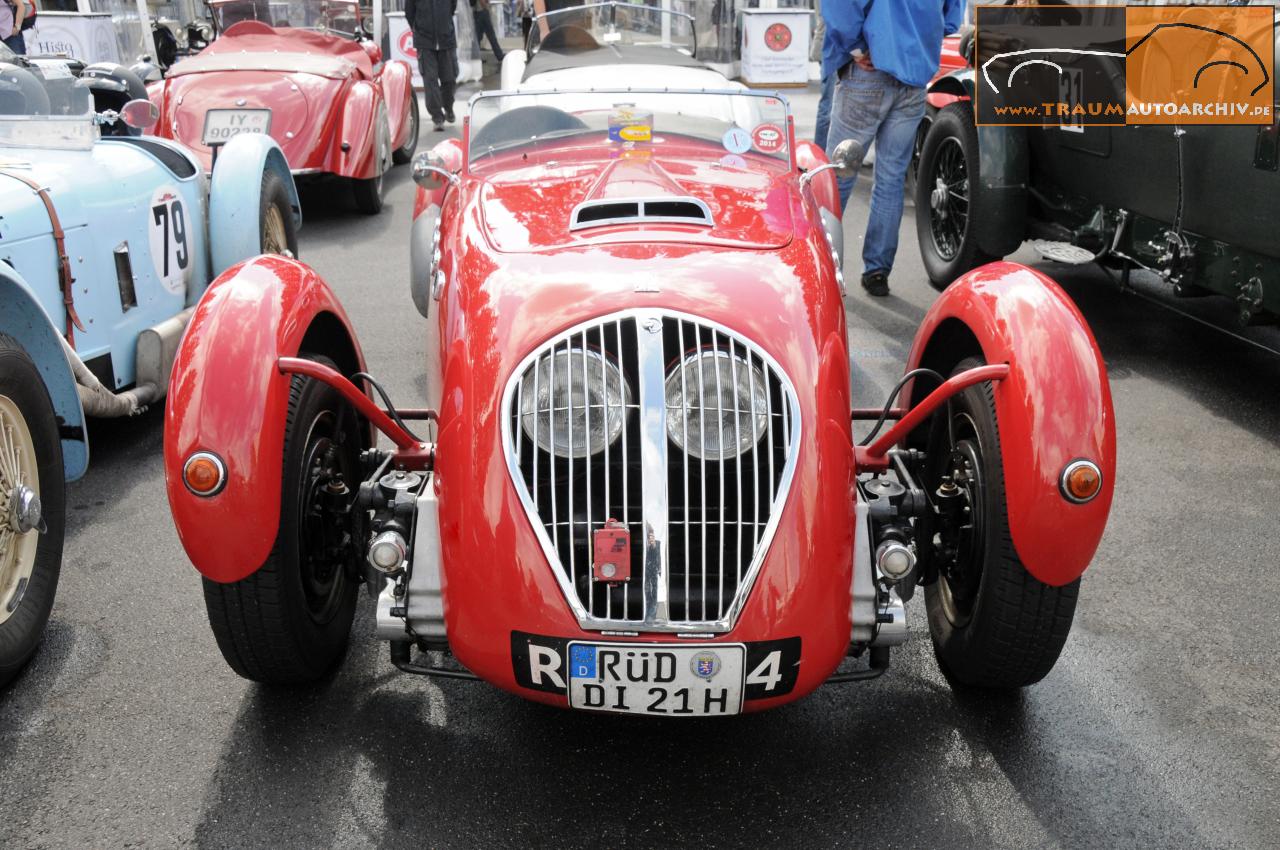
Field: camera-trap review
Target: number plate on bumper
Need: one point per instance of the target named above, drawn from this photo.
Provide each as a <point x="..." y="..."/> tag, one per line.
<point x="660" y="679"/>
<point x="221" y="125"/>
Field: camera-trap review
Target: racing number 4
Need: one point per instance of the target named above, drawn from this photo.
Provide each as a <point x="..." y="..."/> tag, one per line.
<point x="767" y="672"/>
<point x="169" y="218"/>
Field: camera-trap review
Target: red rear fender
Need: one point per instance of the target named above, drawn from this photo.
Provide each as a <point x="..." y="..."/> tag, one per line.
<point x="226" y="396"/>
<point x="1054" y="407"/>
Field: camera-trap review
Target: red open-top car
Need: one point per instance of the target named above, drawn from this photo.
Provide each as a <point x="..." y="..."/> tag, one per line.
<point x="311" y="78"/>
<point x="643" y="492"/>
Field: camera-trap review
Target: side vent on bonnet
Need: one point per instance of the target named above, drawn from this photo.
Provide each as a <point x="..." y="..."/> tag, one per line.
<point x="640" y="211"/>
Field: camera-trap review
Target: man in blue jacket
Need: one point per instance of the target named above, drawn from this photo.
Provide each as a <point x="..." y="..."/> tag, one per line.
<point x="883" y="53"/>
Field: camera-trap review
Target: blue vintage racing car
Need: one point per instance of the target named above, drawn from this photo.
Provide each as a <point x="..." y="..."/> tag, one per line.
<point x="107" y="241"/>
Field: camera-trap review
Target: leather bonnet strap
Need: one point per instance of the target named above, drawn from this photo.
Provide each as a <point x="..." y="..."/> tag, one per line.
<point x="65" y="280"/>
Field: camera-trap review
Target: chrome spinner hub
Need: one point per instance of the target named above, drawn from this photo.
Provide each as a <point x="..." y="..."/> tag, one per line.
<point x="24" y="509"/>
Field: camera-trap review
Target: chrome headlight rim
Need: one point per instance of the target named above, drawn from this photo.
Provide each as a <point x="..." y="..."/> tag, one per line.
<point x="757" y="395"/>
<point x="601" y="367"/>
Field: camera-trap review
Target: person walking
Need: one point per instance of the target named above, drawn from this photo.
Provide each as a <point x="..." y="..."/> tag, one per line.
<point x="882" y="55"/>
<point x="524" y="11"/>
<point x="11" y="18"/>
<point x="436" y="45"/>
<point x="484" y="26"/>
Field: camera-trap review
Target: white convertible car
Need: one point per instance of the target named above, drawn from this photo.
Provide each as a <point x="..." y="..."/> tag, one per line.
<point x="610" y="45"/>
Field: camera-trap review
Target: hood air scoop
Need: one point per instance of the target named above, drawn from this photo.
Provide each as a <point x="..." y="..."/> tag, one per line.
<point x="638" y="192"/>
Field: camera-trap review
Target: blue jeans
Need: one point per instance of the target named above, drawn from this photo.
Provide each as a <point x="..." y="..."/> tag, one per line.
<point x="824" y="112"/>
<point x="17" y="43"/>
<point x="873" y="106"/>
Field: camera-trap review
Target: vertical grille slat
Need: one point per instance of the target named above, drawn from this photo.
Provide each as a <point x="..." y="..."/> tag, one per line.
<point x="701" y="520"/>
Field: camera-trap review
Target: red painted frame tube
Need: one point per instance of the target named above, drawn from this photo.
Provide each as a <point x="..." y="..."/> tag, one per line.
<point x="384" y="423"/>
<point x="875" y="456"/>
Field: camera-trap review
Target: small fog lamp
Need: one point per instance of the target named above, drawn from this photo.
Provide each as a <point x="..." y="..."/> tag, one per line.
<point x="1081" y="481"/>
<point x="895" y="560"/>
<point x="387" y="552"/>
<point x="204" y="474"/>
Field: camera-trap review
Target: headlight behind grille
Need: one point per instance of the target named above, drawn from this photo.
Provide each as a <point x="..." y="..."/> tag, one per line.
<point x="717" y="404"/>
<point x="573" y="402"/>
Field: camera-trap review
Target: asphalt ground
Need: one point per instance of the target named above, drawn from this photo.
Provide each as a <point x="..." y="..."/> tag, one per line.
<point x="1158" y="727"/>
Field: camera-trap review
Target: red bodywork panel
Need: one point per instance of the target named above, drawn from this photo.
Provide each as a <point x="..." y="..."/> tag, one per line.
<point x="227" y="396"/>
<point x="497" y="307"/>
<point x="825" y="190"/>
<point x="323" y="91"/>
<point x="1054" y="407"/>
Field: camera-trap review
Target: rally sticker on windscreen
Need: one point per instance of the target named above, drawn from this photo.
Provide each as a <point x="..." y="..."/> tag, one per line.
<point x="170" y="239"/>
<point x="736" y="140"/>
<point x="768" y="138"/>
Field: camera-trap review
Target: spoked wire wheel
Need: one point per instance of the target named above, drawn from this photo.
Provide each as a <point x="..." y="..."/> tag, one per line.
<point x="19" y="492"/>
<point x="949" y="199"/>
<point x="961" y="567"/>
<point x="275" y="238"/>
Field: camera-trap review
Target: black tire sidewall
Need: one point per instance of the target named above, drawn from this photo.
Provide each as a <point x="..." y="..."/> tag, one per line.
<point x="320" y="645"/>
<point x="276" y="194"/>
<point x="952" y="121"/>
<point x="20" y="634"/>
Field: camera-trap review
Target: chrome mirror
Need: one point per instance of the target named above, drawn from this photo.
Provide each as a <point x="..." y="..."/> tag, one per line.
<point x="431" y="172"/>
<point x="846" y="159"/>
<point x="140" y="114"/>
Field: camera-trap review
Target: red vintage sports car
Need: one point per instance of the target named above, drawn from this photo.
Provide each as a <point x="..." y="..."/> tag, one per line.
<point x="311" y="78"/>
<point x="644" y="492"/>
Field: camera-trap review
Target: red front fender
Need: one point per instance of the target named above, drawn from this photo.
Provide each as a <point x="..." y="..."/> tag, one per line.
<point x="825" y="189"/>
<point x="1054" y="407"/>
<point x="397" y="91"/>
<point x="226" y="396"/>
<point x="355" y="154"/>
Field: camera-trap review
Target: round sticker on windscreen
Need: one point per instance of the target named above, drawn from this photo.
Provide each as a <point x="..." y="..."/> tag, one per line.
<point x="767" y="138"/>
<point x="736" y="140"/>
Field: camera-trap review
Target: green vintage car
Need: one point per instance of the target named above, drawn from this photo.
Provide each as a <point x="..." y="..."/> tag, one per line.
<point x="1198" y="205"/>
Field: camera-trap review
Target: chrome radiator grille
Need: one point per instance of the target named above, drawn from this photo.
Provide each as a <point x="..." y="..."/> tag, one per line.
<point x="700" y="521"/>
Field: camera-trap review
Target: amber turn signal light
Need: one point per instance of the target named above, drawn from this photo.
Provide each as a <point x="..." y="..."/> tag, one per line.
<point x="1081" y="481"/>
<point x="204" y="474"/>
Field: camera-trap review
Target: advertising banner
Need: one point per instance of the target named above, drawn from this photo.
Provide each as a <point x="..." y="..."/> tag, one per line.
<point x="775" y="47"/>
<point x="86" y="36"/>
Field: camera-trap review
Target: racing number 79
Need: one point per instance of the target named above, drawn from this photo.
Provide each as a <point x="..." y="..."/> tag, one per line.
<point x="170" y="219"/>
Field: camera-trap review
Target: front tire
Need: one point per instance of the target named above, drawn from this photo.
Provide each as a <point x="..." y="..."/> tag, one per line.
<point x="947" y="197"/>
<point x="289" y="622"/>
<point x="993" y="624"/>
<point x="30" y="465"/>
<point x="276" y="224"/>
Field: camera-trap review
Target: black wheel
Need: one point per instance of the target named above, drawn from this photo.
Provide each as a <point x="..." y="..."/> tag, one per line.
<point x="946" y="196"/>
<point x="993" y="624"/>
<point x="276" y="223"/>
<point x="32" y="507"/>
<point x="368" y="192"/>
<point x="404" y="153"/>
<point x="289" y="622"/>
<point x="917" y="147"/>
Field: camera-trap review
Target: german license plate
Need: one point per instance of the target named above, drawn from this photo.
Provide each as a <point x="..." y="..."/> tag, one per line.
<point x="660" y="679"/>
<point x="222" y="125"/>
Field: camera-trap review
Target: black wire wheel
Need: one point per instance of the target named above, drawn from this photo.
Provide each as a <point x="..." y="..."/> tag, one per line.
<point x="948" y="196"/>
<point x="993" y="624"/>
<point x="289" y="621"/>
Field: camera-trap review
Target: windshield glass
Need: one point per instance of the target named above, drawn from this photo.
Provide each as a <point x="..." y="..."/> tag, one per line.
<point x="595" y="25"/>
<point x="526" y="128"/>
<point x="43" y="105"/>
<point x="339" y="17"/>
